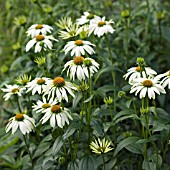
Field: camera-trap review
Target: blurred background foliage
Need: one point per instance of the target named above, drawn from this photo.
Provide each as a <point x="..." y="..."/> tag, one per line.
<point x="142" y="30"/>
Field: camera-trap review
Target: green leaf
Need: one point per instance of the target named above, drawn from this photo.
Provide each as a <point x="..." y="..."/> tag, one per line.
<point x="141" y="141"/>
<point x="160" y="127"/>
<point x="111" y="163"/>
<point x="135" y="148"/>
<point x="128" y="103"/>
<point x="123" y="112"/>
<point x="97" y="125"/>
<point x="6" y="141"/>
<point x="166" y="33"/>
<point x="124" y="143"/>
<point x="8" y="159"/>
<point x="57" y="145"/>
<point x="88" y="99"/>
<point x="69" y="132"/>
<point x="77" y="99"/>
<point x="47" y="138"/>
<point x="147" y="165"/>
<point x="104" y="70"/>
<point x="87" y="163"/>
<point x="74" y="165"/>
<point x="103" y="90"/>
<point x="44" y="146"/>
<point x="134" y="116"/>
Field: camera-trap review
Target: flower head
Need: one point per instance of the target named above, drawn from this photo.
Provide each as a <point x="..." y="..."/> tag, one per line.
<point x="57" y="115"/>
<point x="64" y="23"/>
<point x="24" y="122"/>
<point x="41" y="42"/>
<point x="59" y="88"/>
<point x="38" y="29"/>
<point x="87" y="18"/>
<point x="40" y="61"/>
<point x="135" y="72"/>
<point x="147" y="87"/>
<point x="23" y="80"/>
<point x="79" y="47"/>
<point x="69" y="32"/>
<point x="12" y="90"/>
<point x="37" y="85"/>
<point x="100" y="146"/>
<point x="79" y="68"/>
<point x="108" y="100"/>
<point x="100" y="27"/>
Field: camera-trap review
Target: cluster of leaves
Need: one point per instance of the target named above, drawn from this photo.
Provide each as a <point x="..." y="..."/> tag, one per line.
<point x="142" y="29"/>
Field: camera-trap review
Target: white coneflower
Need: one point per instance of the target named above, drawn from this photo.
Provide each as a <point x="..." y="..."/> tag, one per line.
<point x="58" y="116"/>
<point x="135" y="72"/>
<point x="59" y="88"/>
<point x="100" y="27"/>
<point x="101" y="146"/>
<point x="166" y="79"/>
<point x="41" y="106"/>
<point x="23" y="79"/>
<point x="86" y="18"/>
<point x="37" y="85"/>
<point x="78" y="67"/>
<point x="40" y="42"/>
<point x="79" y="47"/>
<point x="12" y="90"/>
<point x="21" y="121"/>
<point x="37" y="29"/>
<point x="64" y="22"/>
<point x="69" y="32"/>
<point x="147" y="87"/>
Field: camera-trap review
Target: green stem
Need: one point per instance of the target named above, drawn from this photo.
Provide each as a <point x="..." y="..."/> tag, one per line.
<point x="27" y="147"/>
<point x="19" y="107"/>
<point x="148" y="132"/>
<point x="166" y="147"/>
<point x="89" y="109"/>
<point x="104" y="166"/>
<point x="154" y="102"/>
<point x="160" y="31"/>
<point x="113" y="73"/>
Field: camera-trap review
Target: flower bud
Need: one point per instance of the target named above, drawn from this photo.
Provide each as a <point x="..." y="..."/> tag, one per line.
<point x="121" y="94"/>
<point x="108" y="100"/>
<point x="160" y="15"/>
<point x="140" y="61"/>
<point x="61" y="160"/>
<point x="125" y="13"/>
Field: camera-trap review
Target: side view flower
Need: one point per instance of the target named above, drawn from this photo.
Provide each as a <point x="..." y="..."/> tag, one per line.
<point x="100" y="26"/>
<point x="86" y="18"/>
<point x="166" y="79"/>
<point x="147" y="87"/>
<point x="79" y="47"/>
<point x="12" y="90"/>
<point x="101" y="146"/>
<point x="78" y="68"/>
<point x="40" y="42"/>
<point x="59" y="88"/>
<point x="57" y="115"/>
<point x="135" y="72"/>
<point x="21" y="121"/>
<point x="37" y="85"/>
<point x="41" y="106"/>
<point x="37" y="29"/>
